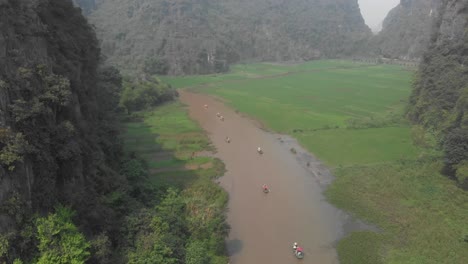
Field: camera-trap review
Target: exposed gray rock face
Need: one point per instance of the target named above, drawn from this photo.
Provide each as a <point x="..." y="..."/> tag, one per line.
<point x="443" y="75"/>
<point x="17" y="183"/>
<point x="451" y="28"/>
<point x="406" y="29"/>
<point x="201" y="36"/>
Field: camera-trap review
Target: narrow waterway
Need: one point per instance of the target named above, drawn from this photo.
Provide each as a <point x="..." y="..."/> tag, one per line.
<point x="264" y="226"/>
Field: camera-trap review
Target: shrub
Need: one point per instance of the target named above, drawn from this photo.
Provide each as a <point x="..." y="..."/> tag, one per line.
<point x="142" y="95"/>
<point x="197" y="253"/>
<point x="59" y="239"/>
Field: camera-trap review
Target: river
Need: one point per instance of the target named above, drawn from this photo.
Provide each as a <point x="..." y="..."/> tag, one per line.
<point x="264" y="226"/>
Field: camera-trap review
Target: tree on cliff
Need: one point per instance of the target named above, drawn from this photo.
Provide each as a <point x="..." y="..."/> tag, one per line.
<point x="60" y="242"/>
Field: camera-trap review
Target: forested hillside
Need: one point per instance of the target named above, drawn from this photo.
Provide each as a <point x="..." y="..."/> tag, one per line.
<point x="68" y="191"/>
<point x="56" y="121"/>
<point x="187" y="37"/>
<point x="406" y="29"/>
<point x="440" y="98"/>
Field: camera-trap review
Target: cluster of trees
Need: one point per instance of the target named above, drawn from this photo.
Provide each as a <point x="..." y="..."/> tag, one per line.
<point x="53" y="157"/>
<point x="58" y="239"/>
<point x="183" y="227"/>
<point x="440" y="97"/>
<point x="156" y="224"/>
<point x="154" y="66"/>
<point x="141" y="95"/>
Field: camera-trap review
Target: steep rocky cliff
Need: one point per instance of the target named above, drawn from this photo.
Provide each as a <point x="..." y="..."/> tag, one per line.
<point x="406" y="29"/>
<point x="52" y="118"/>
<point x="440" y="97"/>
<point x="200" y="36"/>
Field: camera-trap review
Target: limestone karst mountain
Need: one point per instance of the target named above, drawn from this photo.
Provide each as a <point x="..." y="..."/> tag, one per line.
<point x="201" y="36"/>
<point x="406" y="29"/>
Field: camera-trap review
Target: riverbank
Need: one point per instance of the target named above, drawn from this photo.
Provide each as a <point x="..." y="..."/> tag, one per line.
<point x="177" y="159"/>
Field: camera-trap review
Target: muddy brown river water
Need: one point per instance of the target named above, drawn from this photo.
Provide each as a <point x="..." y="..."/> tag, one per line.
<point x="264" y="226"/>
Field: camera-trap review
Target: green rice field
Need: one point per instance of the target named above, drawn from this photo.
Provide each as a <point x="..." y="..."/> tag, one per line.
<point x="166" y="138"/>
<point x="319" y="103"/>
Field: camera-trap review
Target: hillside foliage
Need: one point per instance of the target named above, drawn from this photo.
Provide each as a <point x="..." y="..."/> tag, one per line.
<point x="206" y="36"/>
<point x="68" y="194"/>
<point x="440" y="97"/>
<point x="142" y="95"/>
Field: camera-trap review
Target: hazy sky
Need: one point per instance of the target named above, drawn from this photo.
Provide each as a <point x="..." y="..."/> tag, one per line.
<point x="374" y="11"/>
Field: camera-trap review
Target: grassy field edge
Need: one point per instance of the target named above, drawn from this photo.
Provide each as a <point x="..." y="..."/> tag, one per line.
<point x="174" y="149"/>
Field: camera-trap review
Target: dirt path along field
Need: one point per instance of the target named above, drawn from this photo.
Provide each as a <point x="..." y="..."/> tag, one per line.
<point x="264" y="226"/>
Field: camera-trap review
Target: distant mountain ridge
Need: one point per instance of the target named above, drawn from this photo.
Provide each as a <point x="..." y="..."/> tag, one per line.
<point x="202" y="36"/>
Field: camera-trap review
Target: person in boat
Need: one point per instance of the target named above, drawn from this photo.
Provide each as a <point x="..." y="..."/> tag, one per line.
<point x="265" y="188"/>
<point x="299" y="250"/>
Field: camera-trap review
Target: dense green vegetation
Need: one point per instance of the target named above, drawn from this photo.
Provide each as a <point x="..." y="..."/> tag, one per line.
<point x="59" y="239"/>
<point x="422" y="214"/>
<point x="440" y="98"/>
<point x="140" y="95"/>
<point x="187" y="226"/>
<point x="72" y="190"/>
<point x="352" y="117"/>
<point x="56" y="120"/>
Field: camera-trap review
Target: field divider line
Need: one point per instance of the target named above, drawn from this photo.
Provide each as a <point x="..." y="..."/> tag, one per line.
<point x="272" y="76"/>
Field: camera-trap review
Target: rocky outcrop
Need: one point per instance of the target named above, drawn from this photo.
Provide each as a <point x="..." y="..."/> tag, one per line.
<point x="406" y="30"/>
<point x="443" y="73"/>
<point x="201" y="36"/>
